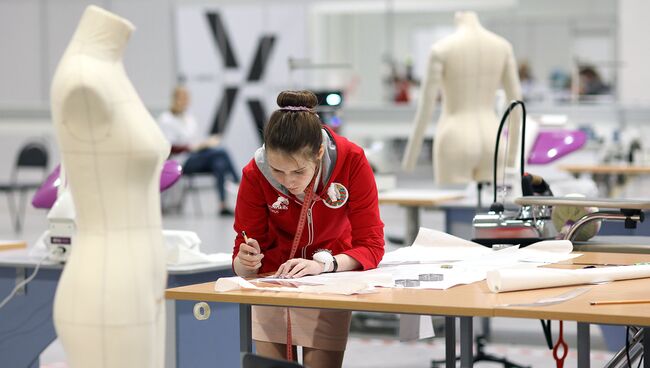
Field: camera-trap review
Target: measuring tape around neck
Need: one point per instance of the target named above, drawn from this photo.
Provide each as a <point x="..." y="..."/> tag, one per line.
<point x="309" y="195"/>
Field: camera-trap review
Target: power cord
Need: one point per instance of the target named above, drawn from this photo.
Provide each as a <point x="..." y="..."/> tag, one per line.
<point x="23" y="283"/>
<point x="504" y="119"/>
<point x="627" y="345"/>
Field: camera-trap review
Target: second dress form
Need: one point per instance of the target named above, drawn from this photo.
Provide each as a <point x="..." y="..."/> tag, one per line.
<point x="469" y="66"/>
<point x="109" y="306"/>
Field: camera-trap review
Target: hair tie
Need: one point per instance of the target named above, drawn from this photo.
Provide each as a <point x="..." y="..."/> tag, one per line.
<point x="297" y="108"/>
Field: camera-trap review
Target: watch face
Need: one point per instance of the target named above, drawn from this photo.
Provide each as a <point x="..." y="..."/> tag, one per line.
<point x="324" y="257"/>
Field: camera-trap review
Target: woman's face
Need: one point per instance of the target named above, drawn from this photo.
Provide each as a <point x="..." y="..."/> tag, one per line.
<point x="294" y="172"/>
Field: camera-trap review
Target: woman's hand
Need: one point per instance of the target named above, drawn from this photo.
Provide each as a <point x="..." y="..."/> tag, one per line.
<point x="249" y="258"/>
<point x="298" y="267"/>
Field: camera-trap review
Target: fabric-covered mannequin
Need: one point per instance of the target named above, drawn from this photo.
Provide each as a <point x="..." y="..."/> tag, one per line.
<point x="109" y="306"/>
<point x="469" y="66"/>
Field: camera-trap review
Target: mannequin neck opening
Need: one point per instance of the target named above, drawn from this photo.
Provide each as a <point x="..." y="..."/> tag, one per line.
<point x="102" y="34"/>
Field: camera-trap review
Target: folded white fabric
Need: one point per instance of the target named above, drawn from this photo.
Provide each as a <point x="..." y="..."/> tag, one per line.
<point x="536" y="278"/>
<point x="183" y="248"/>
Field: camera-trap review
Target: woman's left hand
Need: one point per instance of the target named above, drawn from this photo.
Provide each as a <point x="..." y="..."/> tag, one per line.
<point x="298" y="267"/>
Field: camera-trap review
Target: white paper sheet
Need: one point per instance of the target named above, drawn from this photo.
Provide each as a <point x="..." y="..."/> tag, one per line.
<point x="184" y="248"/>
<point x="370" y="278"/>
<point x="464" y="262"/>
<point x="547" y="251"/>
<point x="348" y="288"/>
<point x="458" y="261"/>
<point x="518" y="279"/>
<point x="415" y="327"/>
<point x="432" y="246"/>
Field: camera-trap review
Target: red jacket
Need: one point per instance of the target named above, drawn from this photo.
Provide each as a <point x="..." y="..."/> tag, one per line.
<point x="269" y="213"/>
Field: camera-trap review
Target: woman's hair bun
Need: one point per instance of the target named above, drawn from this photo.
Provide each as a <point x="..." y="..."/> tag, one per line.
<point x="297" y="98"/>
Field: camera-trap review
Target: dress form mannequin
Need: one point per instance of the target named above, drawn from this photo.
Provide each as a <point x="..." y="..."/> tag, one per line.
<point x="109" y="306"/>
<point x="469" y="65"/>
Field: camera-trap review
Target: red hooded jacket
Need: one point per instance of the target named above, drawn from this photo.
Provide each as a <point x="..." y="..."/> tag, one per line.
<point x="348" y="223"/>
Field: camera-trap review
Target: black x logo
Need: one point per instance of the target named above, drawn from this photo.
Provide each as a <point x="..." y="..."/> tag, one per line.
<point x="255" y="74"/>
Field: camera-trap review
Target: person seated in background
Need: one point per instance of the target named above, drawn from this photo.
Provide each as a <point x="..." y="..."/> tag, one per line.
<point x="204" y="156"/>
<point x="590" y="82"/>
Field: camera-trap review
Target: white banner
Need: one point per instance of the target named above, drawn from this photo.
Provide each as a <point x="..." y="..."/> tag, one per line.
<point x="234" y="60"/>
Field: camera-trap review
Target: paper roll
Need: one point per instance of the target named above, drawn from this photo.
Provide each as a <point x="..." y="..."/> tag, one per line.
<point x="523" y="279"/>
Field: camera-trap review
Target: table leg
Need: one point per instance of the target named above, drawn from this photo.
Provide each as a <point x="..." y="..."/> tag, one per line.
<point x="245" y="333"/>
<point x="646" y="347"/>
<point x="412" y="224"/>
<point x="584" y="345"/>
<point x="466" y="342"/>
<point x="450" y="342"/>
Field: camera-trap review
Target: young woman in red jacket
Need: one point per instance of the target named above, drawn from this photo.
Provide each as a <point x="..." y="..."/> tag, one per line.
<point x="308" y="203"/>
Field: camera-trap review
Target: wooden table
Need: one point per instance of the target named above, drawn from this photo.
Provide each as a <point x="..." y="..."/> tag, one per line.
<point x="606" y="169"/>
<point x="463" y="302"/>
<point x="414" y="199"/>
<point x="603" y="174"/>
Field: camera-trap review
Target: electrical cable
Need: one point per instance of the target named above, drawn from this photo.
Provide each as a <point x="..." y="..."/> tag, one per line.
<point x="512" y="105"/>
<point x="546" y="327"/>
<point x="22" y="283"/>
<point x="627" y="346"/>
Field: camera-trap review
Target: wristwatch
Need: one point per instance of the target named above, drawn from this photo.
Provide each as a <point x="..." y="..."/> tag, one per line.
<point x="325" y="257"/>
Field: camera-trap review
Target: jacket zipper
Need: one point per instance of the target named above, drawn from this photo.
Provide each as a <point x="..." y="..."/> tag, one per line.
<point x="310" y="230"/>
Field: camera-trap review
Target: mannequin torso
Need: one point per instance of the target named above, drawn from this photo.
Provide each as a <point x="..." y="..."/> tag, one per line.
<point x="109" y="306"/>
<point x="469" y="66"/>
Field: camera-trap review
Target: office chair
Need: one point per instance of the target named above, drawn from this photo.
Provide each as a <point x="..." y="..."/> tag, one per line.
<point x="256" y="361"/>
<point x="190" y="185"/>
<point x="192" y="189"/>
<point x="32" y="156"/>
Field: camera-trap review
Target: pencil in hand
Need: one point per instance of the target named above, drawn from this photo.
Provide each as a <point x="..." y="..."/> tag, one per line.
<point x="243" y="233"/>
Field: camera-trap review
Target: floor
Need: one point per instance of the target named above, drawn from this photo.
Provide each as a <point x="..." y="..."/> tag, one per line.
<point x="370" y="346"/>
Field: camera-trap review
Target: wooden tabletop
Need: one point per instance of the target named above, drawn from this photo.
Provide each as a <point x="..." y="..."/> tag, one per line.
<point x="578" y="309"/>
<point x="465" y="300"/>
<point x="605" y="169"/>
<point x="419" y="197"/>
<point x="468" y="300"/>
<point x="12" y="244"/>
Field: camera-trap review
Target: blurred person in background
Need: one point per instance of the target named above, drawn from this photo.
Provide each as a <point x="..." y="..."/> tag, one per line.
<point x="590" y="82"/>
<point x="204" y="155"/>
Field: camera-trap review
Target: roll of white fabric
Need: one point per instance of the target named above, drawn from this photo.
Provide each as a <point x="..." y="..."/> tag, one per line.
<point x="523" y="279"/>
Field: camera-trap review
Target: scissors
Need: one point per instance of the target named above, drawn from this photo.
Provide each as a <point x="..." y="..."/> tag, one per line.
<point x="559" y="360"/>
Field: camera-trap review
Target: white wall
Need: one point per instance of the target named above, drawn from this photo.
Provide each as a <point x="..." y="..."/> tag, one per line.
<point x="203" y="66"/>
<point x="35" y="34"/>
<point x="543" y="32"/>
<point x="634" y="51"/>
